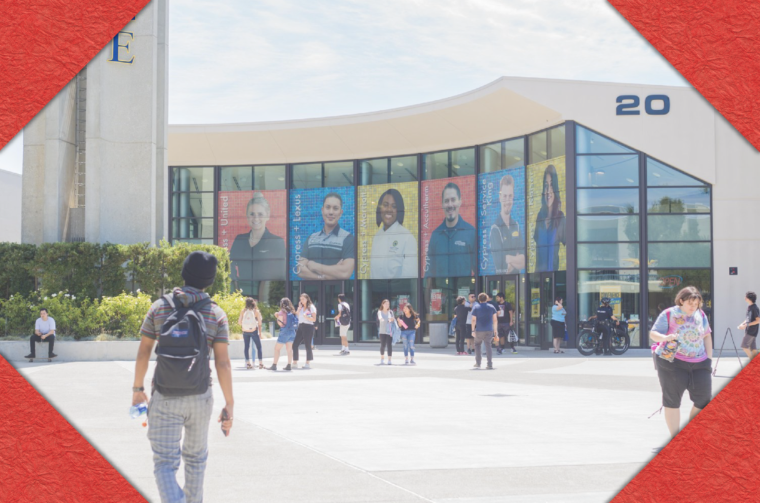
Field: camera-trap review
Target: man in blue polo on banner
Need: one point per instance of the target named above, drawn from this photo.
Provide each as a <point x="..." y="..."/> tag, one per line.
<point x="452" y="248"/>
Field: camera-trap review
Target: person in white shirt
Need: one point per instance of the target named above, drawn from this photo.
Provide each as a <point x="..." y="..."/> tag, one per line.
<point x="307" y="313"/>
<point x="44" y="331"/>
<point x="394" y="248"/>
<point x="343" y="328"/>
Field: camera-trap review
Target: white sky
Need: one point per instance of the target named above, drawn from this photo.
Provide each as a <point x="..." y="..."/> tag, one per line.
<point x="256" y="60"/>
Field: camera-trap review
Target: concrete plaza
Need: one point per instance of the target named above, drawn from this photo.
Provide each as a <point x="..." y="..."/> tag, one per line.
<point x="539" y="428"/>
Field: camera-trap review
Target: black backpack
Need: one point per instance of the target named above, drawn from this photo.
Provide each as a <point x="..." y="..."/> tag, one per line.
<point x="345" y="318"/>
<point x="182" y="353"/>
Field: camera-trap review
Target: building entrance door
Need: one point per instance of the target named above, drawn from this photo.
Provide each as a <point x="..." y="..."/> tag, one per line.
<point x="324" y="295"/>
<point x="542" y="293"/>
<point x="509" y="286"/>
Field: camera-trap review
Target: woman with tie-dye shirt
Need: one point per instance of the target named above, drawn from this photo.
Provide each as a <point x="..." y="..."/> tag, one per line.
<point x="685" y="323"/>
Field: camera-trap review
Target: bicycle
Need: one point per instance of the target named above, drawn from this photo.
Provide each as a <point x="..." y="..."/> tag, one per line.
<point x="589" y="342"/>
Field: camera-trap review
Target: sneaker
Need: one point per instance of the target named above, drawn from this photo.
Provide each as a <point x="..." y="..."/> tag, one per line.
<point x="489" y="367"/>
<point x="287" y="367"/>
<point x="30" y="356"/>
<point x="295" y="365"/>
<point x="406" y="362"/>
<point x="389" y="361"/>
<point x="273" y="367"/>
<point x="306" y="367"/>
<point x="383" y="362"/>
<point x="470" y="351"/>
<point x="476" y="366"/>
<point x="52" y="355"/>
<point x="515" y="351"/>
<point x="412" y="362"/>
<point x="499" y="351"/>
<point x="347" y="352"/>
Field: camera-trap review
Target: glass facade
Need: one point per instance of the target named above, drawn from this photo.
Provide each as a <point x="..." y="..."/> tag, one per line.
<point x="565" y="211"/>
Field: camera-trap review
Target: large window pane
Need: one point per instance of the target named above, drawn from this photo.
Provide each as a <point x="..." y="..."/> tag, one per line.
<point x="514" y="155"/>
<point x="491" y="157"/>
<point x="604" y="256"/>
<point x="697" y="200"/>
<point x="339" y="174"/>
<point x="436" y="166"/>
<point x="679" y="228"/>
<point x="588" y="142"/>
<point x="664" y="284"/>
<point x="537" y="147"/>
<point x="607" y="171"/>
<point x="464" y="162"/>
<point x="439" y="295"/>
<point x="193" y="228"/>
<point x="269" y="177"/>
<point x="679" y="254"/>
<point x="307" y="176"/>
<point x="607" y="228"/>
<point x="610" y="201"/>
<point x="622" y="287"/>
<point x="557" y="142"/>
<point x="193" y="179"/>
<point x="403" y="169"/>
<point x="658" y="174"/>
<point x="200" y="205"/>
<point x="373" y="171"/>
<point x="237" y="178"/>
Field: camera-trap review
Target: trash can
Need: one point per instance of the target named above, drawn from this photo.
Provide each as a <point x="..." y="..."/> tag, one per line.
<point x="438" y="335"/>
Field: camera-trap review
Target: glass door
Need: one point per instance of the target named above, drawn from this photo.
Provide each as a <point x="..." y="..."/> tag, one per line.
<point x="312" y="288"/>
<point x="507" y="285"/>
<point x="547" y="300"/>
<point x="324" y="296"/>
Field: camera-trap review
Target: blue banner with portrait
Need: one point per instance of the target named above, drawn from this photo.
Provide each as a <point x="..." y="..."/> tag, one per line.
<point x="323" y="245"/>
<point x="502" y="221"/>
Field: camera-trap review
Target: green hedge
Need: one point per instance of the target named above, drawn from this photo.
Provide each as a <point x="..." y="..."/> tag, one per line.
<point x="94" y="270"/>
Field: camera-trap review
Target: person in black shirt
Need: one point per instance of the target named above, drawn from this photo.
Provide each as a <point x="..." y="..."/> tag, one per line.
<point x="750" y="325"/>
<point x="257" y="255"/>
<point x="505" y="315"/>
<point x="461" y="311"/>
<point x="603" y="317"/>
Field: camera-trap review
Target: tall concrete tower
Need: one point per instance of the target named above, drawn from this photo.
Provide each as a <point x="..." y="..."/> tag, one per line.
<point x="95" y="158"/>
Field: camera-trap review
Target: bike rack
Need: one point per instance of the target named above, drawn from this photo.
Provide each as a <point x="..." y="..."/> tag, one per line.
<point x="737" y="353"/>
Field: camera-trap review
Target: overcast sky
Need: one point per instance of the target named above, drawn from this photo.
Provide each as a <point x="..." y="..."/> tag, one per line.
<point x="257" y="60"/>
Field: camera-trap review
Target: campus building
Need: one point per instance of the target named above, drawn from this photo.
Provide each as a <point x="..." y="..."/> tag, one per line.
<point x="535" y="188"/>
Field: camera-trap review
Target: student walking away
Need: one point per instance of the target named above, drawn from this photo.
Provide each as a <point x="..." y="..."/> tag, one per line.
<point x="469" y="322"/>
<point x="385" y="319"/>
<point x="307" y="314"/>
<point x="44" y="331"/>
<point x="343" y="320"/>
<point x="684" y="355"/>
<point x="558" y="324"/>
<point x="461" y="313"/>
<point x="186" y="327"/>
<point x="750" y="325"/>
<point x="409" y="322"/>
<point x="288" y="322"/>
<point x="250" y="320"/>
<point x="505" y="315"/>
<point x="484" y="329"/>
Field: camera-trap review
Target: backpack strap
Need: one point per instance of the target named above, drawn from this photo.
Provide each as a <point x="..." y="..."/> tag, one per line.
<point x="197" y="306"/>
<point x="169" y="298"/>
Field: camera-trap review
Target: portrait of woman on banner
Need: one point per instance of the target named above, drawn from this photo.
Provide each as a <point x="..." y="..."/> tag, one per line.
<point x="258" y="255"/>
<point x="549" y="232"/>
<point x="394" y="248"/>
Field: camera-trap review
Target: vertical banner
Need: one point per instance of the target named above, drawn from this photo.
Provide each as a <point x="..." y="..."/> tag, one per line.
<point x="322" y="233"/>
<point x="448" y="217"/>
<point x="546" y="215"/>
<point x="502" y="221"/>
<point x="387" y="231"/>
<point x="252" y="226"/>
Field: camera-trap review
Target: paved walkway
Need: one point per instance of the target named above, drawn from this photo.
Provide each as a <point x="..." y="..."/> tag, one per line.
<point x="540" y="428"/>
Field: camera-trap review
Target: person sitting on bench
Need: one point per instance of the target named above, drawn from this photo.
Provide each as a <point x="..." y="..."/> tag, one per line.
<point x="44" y="331"/>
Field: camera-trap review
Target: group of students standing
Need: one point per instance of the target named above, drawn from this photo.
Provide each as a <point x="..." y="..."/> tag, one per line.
<point x="463" y="323"/>
<point x="406" y="325"/>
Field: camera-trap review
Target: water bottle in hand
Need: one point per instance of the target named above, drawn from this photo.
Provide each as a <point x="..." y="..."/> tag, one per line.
<point x="138" y="410"/>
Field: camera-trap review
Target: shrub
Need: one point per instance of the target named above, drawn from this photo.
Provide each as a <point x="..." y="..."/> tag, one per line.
<point x="122" y="315"/>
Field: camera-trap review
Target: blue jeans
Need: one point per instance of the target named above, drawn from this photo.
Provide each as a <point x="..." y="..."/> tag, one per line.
<point x="408" y="339"/>
<point x="247" y="338"/>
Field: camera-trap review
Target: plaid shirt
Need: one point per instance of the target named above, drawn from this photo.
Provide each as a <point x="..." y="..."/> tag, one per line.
<point x="213" y="316"/>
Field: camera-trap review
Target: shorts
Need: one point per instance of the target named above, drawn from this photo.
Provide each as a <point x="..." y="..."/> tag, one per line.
<point x="468" y="331"/>
<point x="284" y="338"/>
<point x="343" y="330"/>
<point x="678" y="376"/>
<point x="749" y="342"/>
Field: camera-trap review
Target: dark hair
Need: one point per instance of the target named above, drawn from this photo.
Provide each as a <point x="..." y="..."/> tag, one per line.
<point x="482" y="297"/>
<point x="553" y="213"/>
<point x="250" y="303"/>
<point x="500" y="294"/>
<point x="451" y="185"/>
<point x="333" y="194"/>
<point x="412" y="310"/>
<point x="43" y="309"/>
<point x="460" y="300"/>
<point x="558" y="298"/>
<point x="341" y="297"/>
<point x="286" y="305"/>
<point x="751" y="296"/>
<point x="398" y="200"/>
<point x="688" y="293"/>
